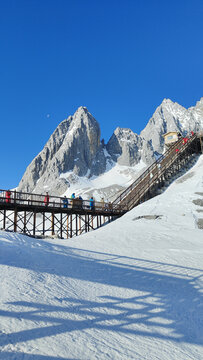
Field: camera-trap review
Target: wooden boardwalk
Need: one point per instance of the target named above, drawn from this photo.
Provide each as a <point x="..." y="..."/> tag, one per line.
<point x="156" y="175"/>
<point x="30" y="214"/>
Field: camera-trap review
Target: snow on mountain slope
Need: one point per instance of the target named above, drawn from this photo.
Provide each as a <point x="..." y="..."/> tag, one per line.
<point x="75" y="150"/>
<point x="106" y="185"/>
<point x="170" y="116"/>
<point x="131" y="290"/>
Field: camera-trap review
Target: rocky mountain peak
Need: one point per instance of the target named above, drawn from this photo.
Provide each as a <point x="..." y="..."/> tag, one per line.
<point x="74" y="149"/>
<point x="81" y="109"/>
<point x="81" y="112"/>
<point x="200" y="101"/>
<point x="167" y="102"/>
<point x="199" y="105"/>
<point x="84" y="122"/>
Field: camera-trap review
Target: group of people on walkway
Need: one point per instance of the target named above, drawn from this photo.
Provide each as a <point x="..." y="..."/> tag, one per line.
<point x="72" y="202"/>
<point x="75" y="202"/>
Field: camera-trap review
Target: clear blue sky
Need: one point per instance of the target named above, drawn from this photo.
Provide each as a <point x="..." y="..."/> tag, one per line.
<point x="119" y="58"/>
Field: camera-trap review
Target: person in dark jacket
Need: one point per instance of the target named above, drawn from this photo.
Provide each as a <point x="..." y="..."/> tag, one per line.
<point x="65" y="202"/>
<point x="81" y="201"/>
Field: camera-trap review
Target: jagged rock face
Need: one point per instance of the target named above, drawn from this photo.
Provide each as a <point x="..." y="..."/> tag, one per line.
<point x="171" y="116"/>
<point x="124" y="147"/>
<point x="147" y="153"/>
<point x="80" y="144"/>
<point x="41" y="163"/>
<point x="196" y="116"/>
<point x="101" y="162"/>
<point x="162" y="121"/>
<point x="74" y="149"/>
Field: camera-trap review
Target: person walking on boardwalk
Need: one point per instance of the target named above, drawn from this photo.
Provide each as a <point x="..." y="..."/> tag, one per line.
<point x="91" y="203"/>
<point x="81" y="201"/>
<point x="185" y="139"/>
<point x="110" y="206"/>
<point x="102" y="203"/>
<point x="72" y="199"/>
<point x="8" y="196"/>
<point x="65" y="202"/>
<point x="46" y="199"/>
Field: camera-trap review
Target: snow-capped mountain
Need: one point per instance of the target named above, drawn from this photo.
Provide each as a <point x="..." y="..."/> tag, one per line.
<point x="71" y="148"/>
<point x="75" y="158"/>
<point x="170" y="116"/>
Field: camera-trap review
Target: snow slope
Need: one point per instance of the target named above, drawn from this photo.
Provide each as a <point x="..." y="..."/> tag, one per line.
<point x="106" y="185"/>
<point x="129" y="290"/>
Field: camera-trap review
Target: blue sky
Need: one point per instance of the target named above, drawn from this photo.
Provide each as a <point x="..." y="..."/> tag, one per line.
<point x="120" y="59"/>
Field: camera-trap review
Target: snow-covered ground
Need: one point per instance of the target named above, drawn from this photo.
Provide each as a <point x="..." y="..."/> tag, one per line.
<point x="116" y="178"/>
<point x="130" y="290"/>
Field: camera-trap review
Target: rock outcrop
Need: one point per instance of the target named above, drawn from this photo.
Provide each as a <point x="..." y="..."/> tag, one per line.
<point x="75" y="150"/>
<point x="71" y="148"/>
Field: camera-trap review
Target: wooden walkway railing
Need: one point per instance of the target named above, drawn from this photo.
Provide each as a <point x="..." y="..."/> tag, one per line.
<point x="146" y="185"/>
<point x="56" y="203"/>
<point x="31" y="213"/>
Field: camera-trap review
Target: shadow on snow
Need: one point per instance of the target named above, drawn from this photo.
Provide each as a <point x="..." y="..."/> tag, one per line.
<point x="167" y="302"/>
<point x="5" y="355"/>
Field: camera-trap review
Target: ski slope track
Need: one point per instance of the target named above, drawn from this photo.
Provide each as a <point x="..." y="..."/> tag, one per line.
<point x="131" y="290"/>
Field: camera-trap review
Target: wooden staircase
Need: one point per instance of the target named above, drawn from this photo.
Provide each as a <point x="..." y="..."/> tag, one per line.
<point x="147" y="185"/>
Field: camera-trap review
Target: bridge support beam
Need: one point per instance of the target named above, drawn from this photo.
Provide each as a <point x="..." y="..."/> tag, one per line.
<point x="62" y="225"/>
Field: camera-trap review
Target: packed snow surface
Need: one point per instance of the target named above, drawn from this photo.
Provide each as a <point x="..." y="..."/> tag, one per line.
<point x="129" y="290"/>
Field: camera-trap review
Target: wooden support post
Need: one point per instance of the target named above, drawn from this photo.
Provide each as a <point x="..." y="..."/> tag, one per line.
<point x="14" y="197"/>
<point x="4" y="223"/>
<point x="24" y="225"/>
<point x="88" y="224"/>
<point x="80" y="231"/>
<point x="97" y="221"/>
<point x="52" y="223"/>
<point x="67" y="225"/>
<point x="92" y="223"/>
<point x="61" y="226"/>
<point x="86" y="219"/>
<point x="76" y="224"/>
<point x="34" y="222"/>
<point x="71" y="226"/>
<point x="43" y="224"/>
<point x="15" y="219"/>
